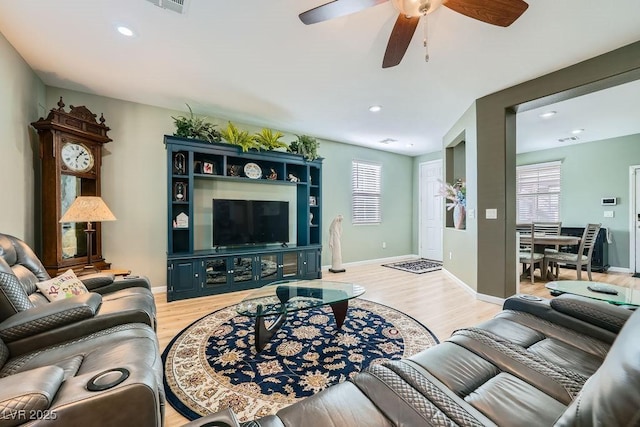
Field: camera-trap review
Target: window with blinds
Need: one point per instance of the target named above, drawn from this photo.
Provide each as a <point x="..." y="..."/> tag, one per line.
<point x="538" y="192"/>
<point x="365" y="184"/>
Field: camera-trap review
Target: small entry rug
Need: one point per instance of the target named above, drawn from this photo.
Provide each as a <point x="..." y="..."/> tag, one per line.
<point x="212" y="364"/>
<point x="417" y="266"/>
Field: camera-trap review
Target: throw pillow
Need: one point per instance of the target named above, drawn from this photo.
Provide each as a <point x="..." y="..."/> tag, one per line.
<point x="63" y="286"/>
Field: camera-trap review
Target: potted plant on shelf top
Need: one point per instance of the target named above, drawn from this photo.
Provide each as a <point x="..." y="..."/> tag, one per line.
<point x="305" y="145"/>
<point x="196" y="127"/>
<point x="235" y="136"/>
<point x="269" y="140"/>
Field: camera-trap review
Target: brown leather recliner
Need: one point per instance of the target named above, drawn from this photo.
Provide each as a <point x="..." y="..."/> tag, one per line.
<point x="111" y="377"/>
<point x="28" y="320"/>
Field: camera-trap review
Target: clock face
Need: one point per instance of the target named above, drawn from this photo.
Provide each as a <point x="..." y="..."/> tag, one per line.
<point x="77" y="157"/>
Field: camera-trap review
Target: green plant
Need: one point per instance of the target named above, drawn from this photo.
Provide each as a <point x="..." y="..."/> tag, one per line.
<point x="195" y="127"/>
<point x="269" y="140"/>
<point x="235" y="136"/>
<point x="305" y="145"/>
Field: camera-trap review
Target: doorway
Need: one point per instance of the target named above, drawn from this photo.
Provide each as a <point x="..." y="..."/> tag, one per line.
<point x="431" y="218"/>
<point x="634" y="197"/>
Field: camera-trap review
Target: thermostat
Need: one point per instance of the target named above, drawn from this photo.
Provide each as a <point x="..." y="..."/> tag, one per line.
<point x="608" y="201"/>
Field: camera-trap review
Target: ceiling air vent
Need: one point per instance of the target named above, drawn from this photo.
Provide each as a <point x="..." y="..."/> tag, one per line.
<point x="179" y="6"/>
<point x="567" y="139"/>
<point x="388" y="141"/>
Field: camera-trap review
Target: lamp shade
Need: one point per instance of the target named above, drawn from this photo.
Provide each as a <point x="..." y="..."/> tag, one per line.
<point x="88" y="209"/>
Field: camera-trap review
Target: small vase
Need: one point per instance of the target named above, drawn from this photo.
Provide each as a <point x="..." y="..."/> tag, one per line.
<point x="458" y="217"/>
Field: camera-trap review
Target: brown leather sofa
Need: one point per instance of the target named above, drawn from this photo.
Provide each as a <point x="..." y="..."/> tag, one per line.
<point x="108" y="378"/>
<point x="569" y="361"/>
<point x="90" y="359"/>
<point x="28" y="320"/>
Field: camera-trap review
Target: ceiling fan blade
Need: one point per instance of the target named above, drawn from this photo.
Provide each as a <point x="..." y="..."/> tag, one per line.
<point x="335" y="9"/>
<point x="497" y="12"/>
<point x="399" y="40"/>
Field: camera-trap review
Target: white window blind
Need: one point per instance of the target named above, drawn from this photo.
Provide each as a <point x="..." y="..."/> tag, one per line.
<point x="365" y="184"/>
<point x="538" y="192"/>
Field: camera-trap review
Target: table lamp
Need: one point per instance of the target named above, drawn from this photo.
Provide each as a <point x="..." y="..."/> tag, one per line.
<point x="88" y="209"/>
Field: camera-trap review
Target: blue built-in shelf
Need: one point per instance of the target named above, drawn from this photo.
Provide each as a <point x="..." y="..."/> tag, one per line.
<point x="193" y="272"/>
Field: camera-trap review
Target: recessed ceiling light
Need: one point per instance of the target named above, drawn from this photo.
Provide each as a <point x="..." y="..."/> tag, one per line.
<point x="375" y="108"/>
<point x="409" y="145"/>
<point x="548" y="114"/>
<point x="577" y="131"/>
<point x="125" y="31"/>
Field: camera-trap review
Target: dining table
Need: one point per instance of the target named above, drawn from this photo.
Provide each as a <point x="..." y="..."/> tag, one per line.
<point x="549" y="240"/>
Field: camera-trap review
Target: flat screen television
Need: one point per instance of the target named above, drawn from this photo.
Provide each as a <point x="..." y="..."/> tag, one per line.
<point x="250" y="222"/>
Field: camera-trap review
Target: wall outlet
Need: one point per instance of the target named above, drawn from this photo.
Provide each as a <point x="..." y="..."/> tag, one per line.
<point x="608" y="214"/>
<point x="384" y="245"/>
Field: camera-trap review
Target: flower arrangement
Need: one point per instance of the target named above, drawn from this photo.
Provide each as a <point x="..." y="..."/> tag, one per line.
<point x="456" y="193"/>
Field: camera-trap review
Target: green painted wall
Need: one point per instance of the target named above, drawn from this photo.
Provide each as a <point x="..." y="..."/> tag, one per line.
<point x="134" y="184"/>
<point x="591" y="171"/>
<point x="20" y="104"/>
<point x="460" y="248"/>
<point x="362" y="242"/>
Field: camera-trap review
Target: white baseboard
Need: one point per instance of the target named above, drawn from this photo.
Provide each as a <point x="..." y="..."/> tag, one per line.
<point x="482" y="297"/>
<point x="459" y="282"/>
<point x="158" y="289"/>
<point x="376" y="261"/>
<point x="620" y="270"/>
<point x="490" y="299"/>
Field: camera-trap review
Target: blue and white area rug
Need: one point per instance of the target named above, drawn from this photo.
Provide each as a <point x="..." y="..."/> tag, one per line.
<point x="212" y="364"/>
<point x="417" y="266"/>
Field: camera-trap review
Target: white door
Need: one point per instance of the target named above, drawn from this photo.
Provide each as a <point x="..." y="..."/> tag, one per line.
<point x="636" y="220"/>
<point x="431" y="222"/>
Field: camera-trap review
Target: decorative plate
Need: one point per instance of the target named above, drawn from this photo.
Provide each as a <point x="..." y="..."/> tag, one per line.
<point x="253" y="171"/>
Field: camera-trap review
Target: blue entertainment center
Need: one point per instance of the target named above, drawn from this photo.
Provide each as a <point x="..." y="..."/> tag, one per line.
<point x="195" y="267"/>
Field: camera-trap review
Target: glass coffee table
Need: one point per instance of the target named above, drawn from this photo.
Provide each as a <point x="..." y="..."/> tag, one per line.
<point x="280" y="298"/>
<point x="619" y="295"/>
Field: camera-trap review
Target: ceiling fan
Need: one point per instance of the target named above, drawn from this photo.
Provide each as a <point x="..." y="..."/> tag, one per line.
<point x="497" y="12"/>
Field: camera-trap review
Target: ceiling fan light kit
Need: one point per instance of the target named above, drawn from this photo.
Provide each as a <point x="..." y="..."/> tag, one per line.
<point x="497" y="12"/>
<point x="415" y="8"/>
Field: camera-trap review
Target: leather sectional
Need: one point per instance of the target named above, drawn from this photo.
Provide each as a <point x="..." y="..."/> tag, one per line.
<point x="89" y="359"/>
<point x="569" y="361"/>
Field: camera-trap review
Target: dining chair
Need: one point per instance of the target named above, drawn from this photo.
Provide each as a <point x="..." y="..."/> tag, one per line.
<point x="527" y="254"/>
<point x="549" y="229"/>
<point x="580" y="258"/>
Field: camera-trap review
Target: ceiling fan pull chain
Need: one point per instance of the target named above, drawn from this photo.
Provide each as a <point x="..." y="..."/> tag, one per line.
<point x="424" y="40"/>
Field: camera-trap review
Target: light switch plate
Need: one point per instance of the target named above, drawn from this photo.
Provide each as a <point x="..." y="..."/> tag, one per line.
<point x="471" y="213"/>
<point x="608" y="214"/>
<point x="491" y="214"/>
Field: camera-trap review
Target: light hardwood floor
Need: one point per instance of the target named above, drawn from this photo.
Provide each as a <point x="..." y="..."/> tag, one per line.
<point x="434" y="299"/>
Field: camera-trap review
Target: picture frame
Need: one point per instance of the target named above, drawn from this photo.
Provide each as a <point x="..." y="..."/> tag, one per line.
<point x="208" y="168"/>
<point x="181" y="221"/>
<point x="313" y="201"/>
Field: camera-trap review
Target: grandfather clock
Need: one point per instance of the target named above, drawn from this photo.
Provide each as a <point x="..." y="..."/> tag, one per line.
<point x="71" y="156"/>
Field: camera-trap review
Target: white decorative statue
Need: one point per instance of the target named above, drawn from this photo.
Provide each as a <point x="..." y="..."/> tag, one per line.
<point x="335" y="234"/>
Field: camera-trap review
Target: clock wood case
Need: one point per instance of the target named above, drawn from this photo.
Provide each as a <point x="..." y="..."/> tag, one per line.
<point x="71" y="159"/>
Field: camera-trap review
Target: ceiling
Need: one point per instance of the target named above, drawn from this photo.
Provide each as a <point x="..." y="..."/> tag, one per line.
<point x="254" y="62"/>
